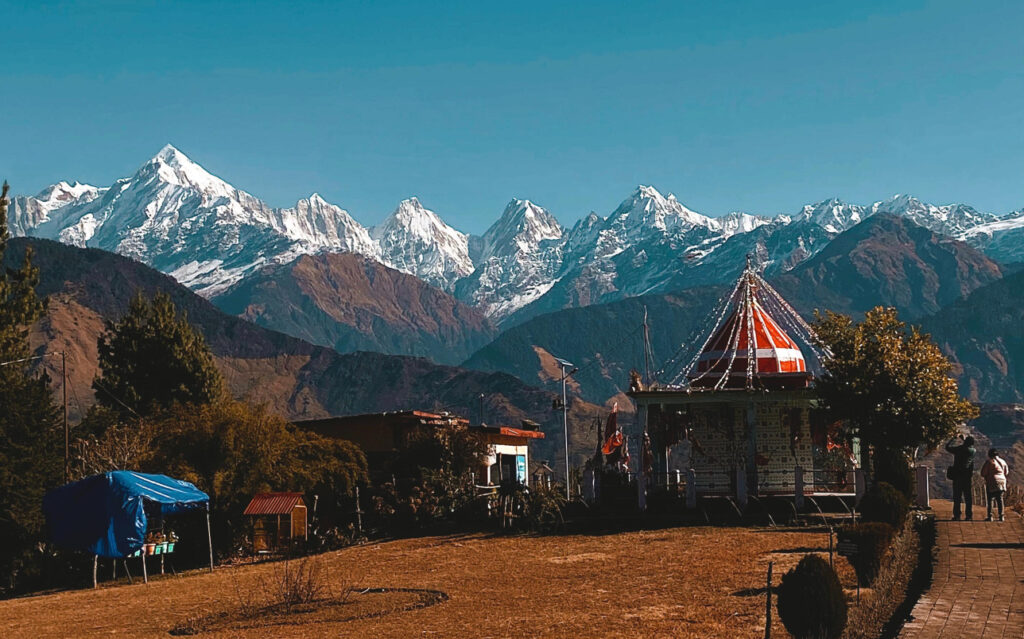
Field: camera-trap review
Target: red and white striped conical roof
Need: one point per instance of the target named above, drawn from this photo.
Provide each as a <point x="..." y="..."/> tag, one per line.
<point x="750" y="348"/>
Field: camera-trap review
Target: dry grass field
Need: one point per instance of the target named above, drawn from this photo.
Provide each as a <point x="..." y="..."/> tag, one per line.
<point x="682" y="582"/>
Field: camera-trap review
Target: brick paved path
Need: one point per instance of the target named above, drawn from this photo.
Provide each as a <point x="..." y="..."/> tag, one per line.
<point x="978" y="586"/>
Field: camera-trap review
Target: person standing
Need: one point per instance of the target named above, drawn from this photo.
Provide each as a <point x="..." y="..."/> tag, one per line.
<point x="994" y="471"/>
<point x="961" y="473"/>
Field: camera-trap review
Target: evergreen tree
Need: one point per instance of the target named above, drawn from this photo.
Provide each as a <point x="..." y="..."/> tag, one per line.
<point x="152" y="359"/>
<point x="30" y="461"/>
<point x="890" y="386"/>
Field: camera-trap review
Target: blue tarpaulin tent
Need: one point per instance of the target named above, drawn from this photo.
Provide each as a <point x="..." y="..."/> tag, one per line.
<point x="106" y="514"/>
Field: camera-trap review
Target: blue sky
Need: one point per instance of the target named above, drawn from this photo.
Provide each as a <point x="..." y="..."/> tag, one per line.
<point x="755" y="106"/>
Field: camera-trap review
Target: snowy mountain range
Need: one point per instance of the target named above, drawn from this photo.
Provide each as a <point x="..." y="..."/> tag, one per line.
<point x="175" y="216"/>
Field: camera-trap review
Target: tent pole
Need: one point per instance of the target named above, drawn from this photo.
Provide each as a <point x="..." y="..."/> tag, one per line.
<point x="145" y="575"/>
<point x="95" y="567"/>
<point x="209" y="536"/>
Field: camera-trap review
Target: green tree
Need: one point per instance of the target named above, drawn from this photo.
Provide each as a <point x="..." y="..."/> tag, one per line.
<point x="232" y="450"/>
<point x="152" y="358"/>
<point x="452" y="449"/>
<point x="889" y="385"/>
<point x="30" y="462"/>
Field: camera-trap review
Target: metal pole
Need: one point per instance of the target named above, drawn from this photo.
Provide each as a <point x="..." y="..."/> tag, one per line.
<point x="359" y="514"/>
<point x="95" y="567"/>
<point x="145" y="573"/>
<point x="768" y="604"/>
<point x="565" y="431"/>
<point x="64" y="388"/>
<point x="209" y="536"/>
<point x="830" y="565"/>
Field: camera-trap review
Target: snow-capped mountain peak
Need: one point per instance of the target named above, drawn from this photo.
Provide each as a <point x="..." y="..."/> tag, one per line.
<point x="173" y="167"/>
<point x="519" y="257"/>
<point x="27" y="213"/>
<point x="320" y="225"/>
<point x="62" y="193"/>
<point x="833" y="215"/>
<point x="949" y="219"/>
<point x="415" y="240"/>
<point x="521" y="228"/>
<point x="647" y="207"/>
<point x="739" y="222"/>
<point x="418" y="220"/>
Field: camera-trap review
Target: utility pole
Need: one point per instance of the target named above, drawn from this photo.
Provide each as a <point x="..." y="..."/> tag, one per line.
<point x="647" y="349"/>
<point x="67" y="436"/>
<point x="565" y="420"/>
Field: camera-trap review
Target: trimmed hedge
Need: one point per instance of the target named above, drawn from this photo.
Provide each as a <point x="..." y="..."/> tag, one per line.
<point x="883" y="503"/>
<point x="811" y="602"/>
<point x="872" y="539"/>
<point x="904" y="576"/>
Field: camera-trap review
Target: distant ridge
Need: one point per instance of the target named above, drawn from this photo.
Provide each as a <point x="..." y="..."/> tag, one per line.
<point x="352" y="303"/>
<point x="174" y="215"/>
<point x="87" y="287"/>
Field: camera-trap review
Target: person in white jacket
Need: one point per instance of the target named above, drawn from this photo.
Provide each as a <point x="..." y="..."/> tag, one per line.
<point x="994" y="471"/>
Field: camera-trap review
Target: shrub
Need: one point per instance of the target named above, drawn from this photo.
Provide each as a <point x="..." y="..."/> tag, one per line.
<point x="292" y="585"/>
<point x="544" y="505"/>
<point x="885" y="504"/>
<point x="892" y="467"/>
<point x="872" y="539"/>
<point x="810" y="600"/>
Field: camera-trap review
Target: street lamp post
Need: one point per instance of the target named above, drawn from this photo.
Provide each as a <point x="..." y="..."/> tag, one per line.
<point x="565" y="419"/>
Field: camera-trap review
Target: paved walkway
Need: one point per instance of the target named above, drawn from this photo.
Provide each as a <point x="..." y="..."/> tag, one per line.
<point x="978" y="586"/>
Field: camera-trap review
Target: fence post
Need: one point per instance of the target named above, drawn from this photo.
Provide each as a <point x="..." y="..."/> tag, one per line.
<point x="641" y="491"/>
<point x="768" y="604"/>
<point x="798" y="487"/>
<point x="923" y="488"/>
<point x="860" y="484"/>
<point x="741" y="487"/>
<point x="588" y="485"/>
<point x="359" y="514"/>
<point x="691" y="488"/>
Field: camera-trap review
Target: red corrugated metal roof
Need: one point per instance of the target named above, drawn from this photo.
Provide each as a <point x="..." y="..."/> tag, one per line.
<point x="273" y="503"/>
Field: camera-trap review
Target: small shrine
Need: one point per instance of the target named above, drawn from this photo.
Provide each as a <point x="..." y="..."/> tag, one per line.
<point x="740" y="417"/>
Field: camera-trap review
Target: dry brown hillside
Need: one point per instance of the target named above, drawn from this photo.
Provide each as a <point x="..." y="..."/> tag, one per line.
<point x="297" y="379"/>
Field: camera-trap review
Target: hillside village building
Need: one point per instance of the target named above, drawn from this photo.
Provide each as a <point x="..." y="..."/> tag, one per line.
<point x="383" y="435"/>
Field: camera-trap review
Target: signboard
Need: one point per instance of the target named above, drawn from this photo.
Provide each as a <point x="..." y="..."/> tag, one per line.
<point x="846" y="548"/>
<point x="521" y="468"/>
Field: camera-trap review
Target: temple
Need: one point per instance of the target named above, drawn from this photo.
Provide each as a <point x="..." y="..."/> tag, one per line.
<point x="741" y="418"/>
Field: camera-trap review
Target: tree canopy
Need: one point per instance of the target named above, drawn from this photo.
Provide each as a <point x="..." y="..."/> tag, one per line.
<point x="152" y="358"/>
<point x="233" y="450"/>
<point x="889" y="384"/>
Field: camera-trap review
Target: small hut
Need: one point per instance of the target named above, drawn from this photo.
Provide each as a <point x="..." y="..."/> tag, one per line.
<point x="544" y="475"/>
<point x="277" y="520"/>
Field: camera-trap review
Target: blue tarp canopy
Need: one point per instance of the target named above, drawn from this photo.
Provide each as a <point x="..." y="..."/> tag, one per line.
<point x="106" y="514"/>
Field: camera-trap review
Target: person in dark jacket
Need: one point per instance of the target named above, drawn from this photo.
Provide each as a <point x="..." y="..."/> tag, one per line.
<point x="961" y="473"/>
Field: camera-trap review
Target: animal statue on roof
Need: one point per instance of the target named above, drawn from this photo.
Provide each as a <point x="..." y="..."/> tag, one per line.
<point x="636" y="384"/>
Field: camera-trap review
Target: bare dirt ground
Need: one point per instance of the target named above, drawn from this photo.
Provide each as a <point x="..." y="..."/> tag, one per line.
<point x="682" y="582"/>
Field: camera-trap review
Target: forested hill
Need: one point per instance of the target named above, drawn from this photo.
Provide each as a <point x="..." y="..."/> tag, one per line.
<point x="86" y="287"/>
